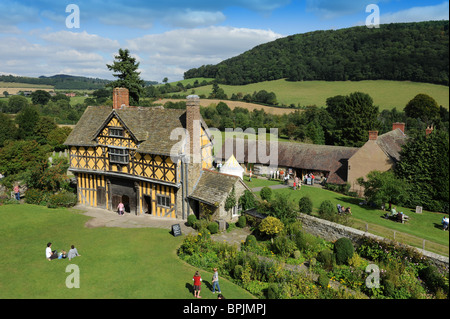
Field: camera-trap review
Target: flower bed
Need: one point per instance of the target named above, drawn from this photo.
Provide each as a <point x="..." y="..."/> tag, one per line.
<point x="262" y="268"/>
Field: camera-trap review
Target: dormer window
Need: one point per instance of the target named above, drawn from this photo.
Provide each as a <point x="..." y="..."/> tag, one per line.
<point x="116" y="132"/>
<point x="118" y="155"/>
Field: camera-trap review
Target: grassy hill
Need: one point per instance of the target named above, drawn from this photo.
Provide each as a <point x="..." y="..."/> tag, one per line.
<point x="386" y="94"/>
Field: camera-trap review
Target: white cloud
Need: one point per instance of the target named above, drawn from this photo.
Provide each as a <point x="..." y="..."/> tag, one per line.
<point x="19" y="56"/>
<point x="417" y="14"/>
<point x="191" y="19"/>
<point x="174" y="52"/>
<point x="81" y="41"/>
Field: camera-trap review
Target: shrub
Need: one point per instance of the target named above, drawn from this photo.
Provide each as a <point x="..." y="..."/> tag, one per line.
<point x="271" y="226"/>
<point x="237" y="272"/>
<point x="305" y="205"/>
<point x="323" y="280"/>
<point x="306" y="242"/>
<point x="326" y="257"/>
<point x="250" y="240"/>
<point x="272" y="291"/>
<point x="283" y="245"/>
<point x="297" y="254"/>
<point x="343" y="248"/>
<point x="266" y="193"/>
<point x="62" y="199"/>
<point x="433" y="279"/>
<point x="213" y="228"/>
<point x="35" y="196"/>
<point x="191" y="220"/>
<point x="326" y="210"/>
<point x="242" y="222"/>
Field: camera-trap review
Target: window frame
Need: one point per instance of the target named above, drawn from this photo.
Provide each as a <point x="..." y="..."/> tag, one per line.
<point x="115" y="153"/>
<point x="163" y="201"/>
<point x="113" y="130"/>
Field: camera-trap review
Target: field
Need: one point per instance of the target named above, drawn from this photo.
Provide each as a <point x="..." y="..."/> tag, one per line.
<point x="385" y="94"/>
<point x="14" y="88"/>
<point x="115" y="263"/>
<point x="234" y="104"/>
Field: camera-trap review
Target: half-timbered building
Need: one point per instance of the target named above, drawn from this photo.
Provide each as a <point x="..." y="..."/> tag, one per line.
<point x="148" y="158"/>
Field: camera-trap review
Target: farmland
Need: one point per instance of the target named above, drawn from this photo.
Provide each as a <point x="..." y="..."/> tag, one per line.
<point x="385" y="94"/>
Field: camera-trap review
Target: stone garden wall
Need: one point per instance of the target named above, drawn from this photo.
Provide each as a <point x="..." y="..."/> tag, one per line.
<point x="330" y="231"/>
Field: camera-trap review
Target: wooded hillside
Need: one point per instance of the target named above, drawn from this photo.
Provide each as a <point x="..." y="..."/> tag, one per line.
<point x="401" y="51"/>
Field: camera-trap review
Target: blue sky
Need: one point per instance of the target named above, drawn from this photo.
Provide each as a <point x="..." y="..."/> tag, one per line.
<point x="171" y="36"/>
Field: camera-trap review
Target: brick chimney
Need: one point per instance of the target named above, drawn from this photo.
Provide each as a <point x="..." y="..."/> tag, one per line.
<point x="399" y="125"/>
<point x="121" y="98"/>
<point x="373" y="135"/>
<point x="193" y="122"/>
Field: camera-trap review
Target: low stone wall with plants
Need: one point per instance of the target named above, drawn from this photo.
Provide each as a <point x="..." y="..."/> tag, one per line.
<point x="331" y="231"/>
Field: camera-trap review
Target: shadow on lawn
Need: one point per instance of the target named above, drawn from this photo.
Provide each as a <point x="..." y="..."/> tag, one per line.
<point x="205" y="283"/>
<point x="354" y="202"/>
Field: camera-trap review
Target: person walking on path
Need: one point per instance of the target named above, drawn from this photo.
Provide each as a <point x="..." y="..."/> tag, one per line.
<point x="215" y="281"/>
<point x="197" y="284"/>
<point x="120" y="208"/>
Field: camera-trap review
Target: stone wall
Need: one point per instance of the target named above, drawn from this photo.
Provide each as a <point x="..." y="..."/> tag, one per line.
<point x="330" y="231"/>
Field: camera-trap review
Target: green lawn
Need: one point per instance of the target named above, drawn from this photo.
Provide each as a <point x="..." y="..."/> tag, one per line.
<point x="421" y="226"/>
<point x="114" y="263"/>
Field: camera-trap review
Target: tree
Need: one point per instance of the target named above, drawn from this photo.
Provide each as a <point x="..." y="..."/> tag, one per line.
<point x="18" y="156"/>
<point x="271" y="226"/>
<point x="355" y="116"/>
<point x="424" y="162"/>
<point x="424" y="107"/>
<point x="384" y="187"/>
<point x="27" y="120"/>
<point x="247" y="200"/>
<point x="40" y="97"/>
<point x="16" y="103"/>
<point x="7" y="129"/>
<point x="126" y="68"/>
<point x="217" y="92"/>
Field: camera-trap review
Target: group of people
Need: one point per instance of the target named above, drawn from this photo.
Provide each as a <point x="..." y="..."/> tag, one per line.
<point x="53" y="254"/>
<point x="198" y="284"/>
<point x="400" y="217"/>
<point x="343" y="210"/>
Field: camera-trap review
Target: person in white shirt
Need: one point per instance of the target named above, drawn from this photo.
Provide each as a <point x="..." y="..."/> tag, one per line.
<point x="49" y="254"/>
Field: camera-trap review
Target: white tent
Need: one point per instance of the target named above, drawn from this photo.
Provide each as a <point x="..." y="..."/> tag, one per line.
<point x="232" y="167"/>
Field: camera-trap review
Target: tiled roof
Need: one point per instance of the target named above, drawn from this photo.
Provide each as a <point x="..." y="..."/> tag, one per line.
<point x="332" y="159"/>
<point x="214" y="187"/>
<point x="391" y="143"/>
<point x="150" y="126"/>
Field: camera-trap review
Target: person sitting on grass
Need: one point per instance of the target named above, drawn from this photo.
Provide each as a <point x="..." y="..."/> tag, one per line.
<point x="73" y="252"/>
<point x="49" y="254"/>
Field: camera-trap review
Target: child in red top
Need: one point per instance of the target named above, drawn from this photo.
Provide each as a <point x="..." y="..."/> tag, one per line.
<point x="197" y="284"/>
